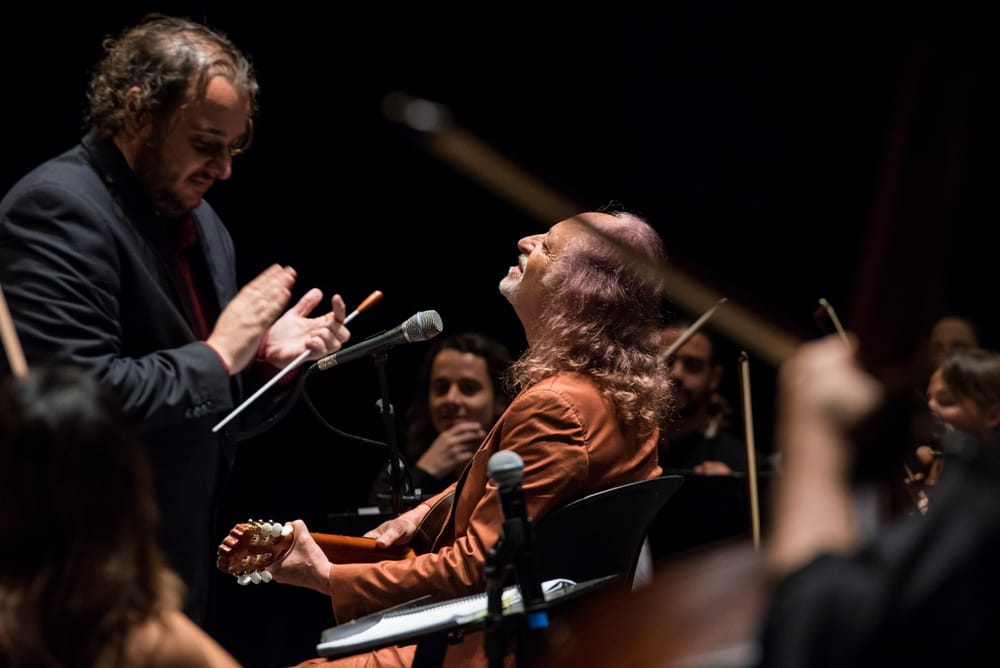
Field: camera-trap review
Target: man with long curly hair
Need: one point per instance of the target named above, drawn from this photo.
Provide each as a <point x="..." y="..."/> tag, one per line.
<point x="592" y="390"/>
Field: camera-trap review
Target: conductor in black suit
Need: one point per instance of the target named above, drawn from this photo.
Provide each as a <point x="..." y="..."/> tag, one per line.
<point x="111" y="260"/>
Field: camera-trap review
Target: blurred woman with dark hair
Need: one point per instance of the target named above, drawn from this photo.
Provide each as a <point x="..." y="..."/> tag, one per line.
<point x="83" y="581"/>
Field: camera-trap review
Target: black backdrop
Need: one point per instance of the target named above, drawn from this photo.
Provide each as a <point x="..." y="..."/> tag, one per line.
<point x="782" y="156"/>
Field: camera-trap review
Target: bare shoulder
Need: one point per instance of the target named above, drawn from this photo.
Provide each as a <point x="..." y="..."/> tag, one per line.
<point x="172" y="640"/>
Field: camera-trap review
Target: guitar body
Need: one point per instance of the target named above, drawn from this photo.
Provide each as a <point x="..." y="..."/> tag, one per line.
<point x="252" y="546"/>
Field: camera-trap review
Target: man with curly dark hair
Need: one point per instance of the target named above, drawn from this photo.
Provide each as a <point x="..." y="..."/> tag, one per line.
<point x="111" y="260"/>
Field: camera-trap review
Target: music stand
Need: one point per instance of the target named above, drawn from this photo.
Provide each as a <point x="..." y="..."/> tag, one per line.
<point x="430" y="625"/>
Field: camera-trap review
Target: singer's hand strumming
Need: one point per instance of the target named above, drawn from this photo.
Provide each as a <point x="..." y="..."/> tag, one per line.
<point x="295" y="331"/>
<point x="399" y="530"/>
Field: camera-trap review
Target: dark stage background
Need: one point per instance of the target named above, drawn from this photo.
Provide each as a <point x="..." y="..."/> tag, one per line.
<point x="782" y="156"/>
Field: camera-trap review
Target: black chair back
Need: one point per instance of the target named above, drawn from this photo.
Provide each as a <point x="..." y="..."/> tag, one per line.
<point x="602" y="533"/>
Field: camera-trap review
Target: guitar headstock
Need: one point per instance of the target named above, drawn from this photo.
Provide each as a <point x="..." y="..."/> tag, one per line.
<point x="250" y="547"/>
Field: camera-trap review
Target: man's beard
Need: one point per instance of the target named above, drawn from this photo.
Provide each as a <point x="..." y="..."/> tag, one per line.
<point x="155" y="179"/>
<point x="509" y="288"/>
<point x="683" y="405"/>
<point x="688" y="404"/>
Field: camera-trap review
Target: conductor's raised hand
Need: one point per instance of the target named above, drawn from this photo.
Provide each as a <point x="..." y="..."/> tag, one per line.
<point x="295" y="332"/>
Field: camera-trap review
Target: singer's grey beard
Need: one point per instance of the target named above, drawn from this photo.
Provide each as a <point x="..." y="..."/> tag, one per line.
<point x="509" y="287"/>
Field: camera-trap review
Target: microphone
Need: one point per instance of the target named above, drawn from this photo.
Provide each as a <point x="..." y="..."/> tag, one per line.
<point x="418" y="327"/>
<point x="506" y="470"/>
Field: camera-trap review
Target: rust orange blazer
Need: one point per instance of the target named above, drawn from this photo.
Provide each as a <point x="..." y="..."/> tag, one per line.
<point x="572" y="444"/>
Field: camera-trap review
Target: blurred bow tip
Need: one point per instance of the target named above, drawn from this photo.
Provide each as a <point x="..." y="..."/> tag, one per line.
<point x="418" y="114"/>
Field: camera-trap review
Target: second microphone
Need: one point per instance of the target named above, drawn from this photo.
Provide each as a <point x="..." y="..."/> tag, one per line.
<point x="421" y="326"/>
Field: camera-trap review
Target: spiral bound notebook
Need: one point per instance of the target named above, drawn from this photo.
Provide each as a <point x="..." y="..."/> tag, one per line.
<point x="412" y="620"/>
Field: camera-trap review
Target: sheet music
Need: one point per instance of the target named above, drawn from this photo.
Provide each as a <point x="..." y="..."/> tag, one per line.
<point x="405" y="622"/>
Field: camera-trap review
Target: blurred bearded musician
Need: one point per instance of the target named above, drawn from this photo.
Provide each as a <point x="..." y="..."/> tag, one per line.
<point x="696" y="442"/>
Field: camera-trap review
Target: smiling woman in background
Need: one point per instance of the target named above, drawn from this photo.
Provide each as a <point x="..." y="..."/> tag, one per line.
<point x="460" y="394"/>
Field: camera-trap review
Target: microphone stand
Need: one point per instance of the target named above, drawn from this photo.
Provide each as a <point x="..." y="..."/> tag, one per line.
<point x="513" y="551"/>
<point x="397" y="474"/>
<point x="498" y="562"/>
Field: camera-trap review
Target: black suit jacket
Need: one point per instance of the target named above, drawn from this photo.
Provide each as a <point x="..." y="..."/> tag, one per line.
<point x="89" y="275"/>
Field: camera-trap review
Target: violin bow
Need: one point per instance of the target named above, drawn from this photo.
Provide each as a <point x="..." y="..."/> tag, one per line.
<point x="834" y="319"/>
<point x="751" y="449"/>
<point x="462" y="149"/>
<point x="691" y="330"/>
<point x="11" y="346"/>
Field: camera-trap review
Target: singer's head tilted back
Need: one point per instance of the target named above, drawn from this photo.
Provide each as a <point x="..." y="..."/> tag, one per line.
<point x="591" y="389"/>
<point x="589" y="303"/>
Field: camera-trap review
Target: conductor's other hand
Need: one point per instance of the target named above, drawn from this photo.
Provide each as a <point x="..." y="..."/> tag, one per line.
<point x="294" y="332"/>
<point x="244" y="321"/>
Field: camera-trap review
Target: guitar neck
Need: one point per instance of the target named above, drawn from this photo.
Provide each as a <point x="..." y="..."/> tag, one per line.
<point x="341" y="549"/>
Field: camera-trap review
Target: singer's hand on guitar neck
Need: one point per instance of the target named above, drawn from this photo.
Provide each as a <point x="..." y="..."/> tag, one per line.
<point x="305" y="564"/>
<point x="259" y="551"/>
